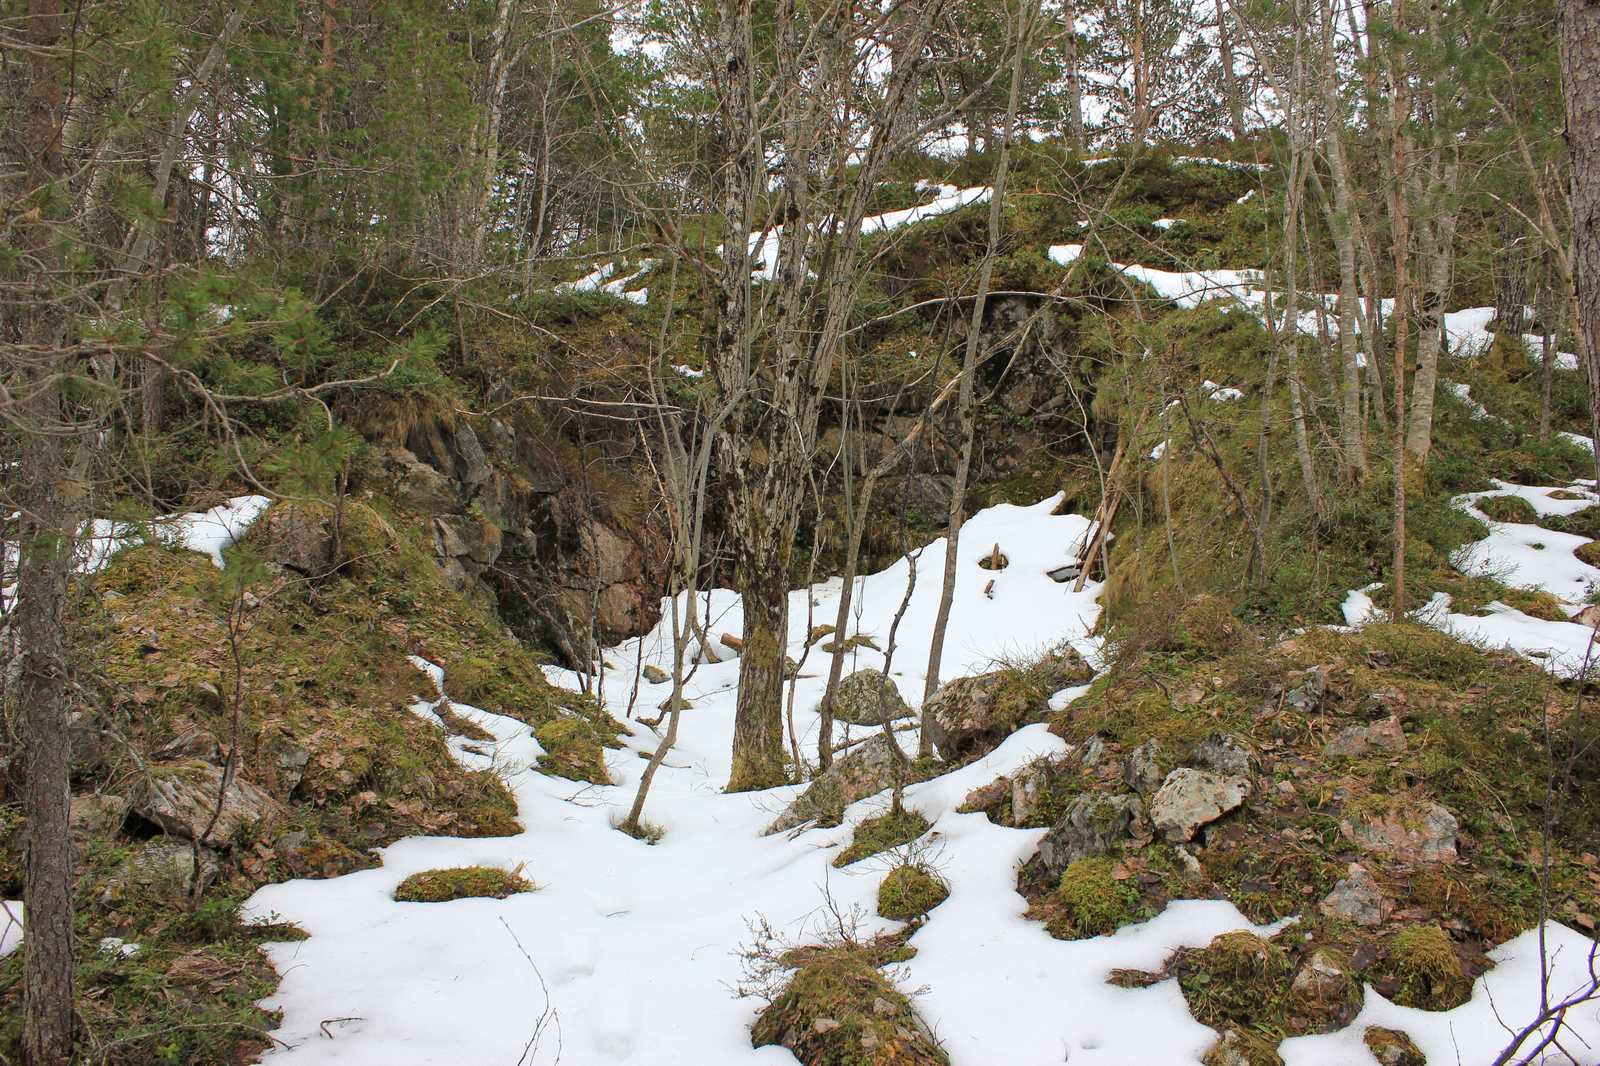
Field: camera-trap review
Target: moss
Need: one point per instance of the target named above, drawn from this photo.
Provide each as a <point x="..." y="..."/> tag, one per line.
<point x="840" y="1010"/>
<point x="1241" y="1047"/>
<point x="1238" y="979"/>
<point x="572" y="749"/>
<point x="1589" y="553"/>
<point x="1095" y="902"/>
<point x="462" y="882"/>
<point x="1391" y="1047"/>
<point x="1508" y="509"/>
<point x="1423" y="958"/>
<point x="909" y="892"/>
<point x="879" y="834"/>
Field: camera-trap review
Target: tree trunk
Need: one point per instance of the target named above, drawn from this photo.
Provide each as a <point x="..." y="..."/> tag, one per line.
<point x="1440" y="249"/>
<point x="1343" y="223"/>
<point x="45" y="535"/>
<point x="1580" y="68"/>
<point x="966" y="409"/>
<point x="1230" y="79"/>
<point x="1400" y="110"/>
<point x="1074" y="65"/>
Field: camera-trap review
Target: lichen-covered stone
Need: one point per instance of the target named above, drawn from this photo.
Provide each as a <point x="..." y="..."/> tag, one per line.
<point x="1190" y="799"/>
<point x="1093" y="824"/>
<point x="862" y="771"/>
<point x="865" y="696"/>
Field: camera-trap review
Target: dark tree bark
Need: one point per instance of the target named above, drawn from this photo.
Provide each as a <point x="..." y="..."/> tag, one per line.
<point x="1580" y="78"/>
<point x="45" y="542"/>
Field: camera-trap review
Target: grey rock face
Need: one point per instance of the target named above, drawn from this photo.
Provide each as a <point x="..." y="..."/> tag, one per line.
<point x="1356" y="898"/>
<point x="1190" y="799"/>
<point x="1093" y="824"/>
<point x="867" y="694"/>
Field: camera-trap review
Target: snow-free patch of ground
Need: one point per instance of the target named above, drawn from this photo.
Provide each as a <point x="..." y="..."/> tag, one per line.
<point x="635" y="947"/>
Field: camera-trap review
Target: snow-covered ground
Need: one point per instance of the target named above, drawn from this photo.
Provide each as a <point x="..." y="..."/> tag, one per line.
<point x="634" y="948"/>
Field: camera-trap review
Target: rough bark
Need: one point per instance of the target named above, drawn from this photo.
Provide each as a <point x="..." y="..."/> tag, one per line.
<point x="1400" y="225"/>
<point x="1231" y="92"/>
<point x="1580" y="68"/>
<point x="45" y="548"/>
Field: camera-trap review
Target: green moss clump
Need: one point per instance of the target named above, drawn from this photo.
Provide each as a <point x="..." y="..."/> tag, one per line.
<point x="840" y="1010"/>
<point x="462" y="882"/>
<point x="1431" y="978"/>
<point x="910" y="892"/>
<point x="1238" y="979"/>
<point x="1508" y="509"/>
<point x="1095" y="901"/>
<point x="887" y="830"/>
<point x="572" y="749"/>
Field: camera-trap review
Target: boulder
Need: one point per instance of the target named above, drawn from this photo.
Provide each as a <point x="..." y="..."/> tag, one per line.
<point x="466" y="547"/>
<point x="866" y="695"/>
<point x="1093" y="824"/>
<point x="1325" y="991"/>
<point x="655" y="675"/>
<point x="1356" y="898"/>
<point x="969" y="715"/>
<point x="1190" y="799"/>
<point x="1141" y="770"/>
<point x="164" y="869"/>
<point x="97" y="814"/>
<point x="419" y="485"/>
<point x="1422" y="832"/>
<point x="865" y="769"/>
<point x="301" y="540"/>
<point x="1222" y="753"/>
<point x="1357" y="740"/>
<point x="1391" y="1047"/>
<point x="181" y="798"/>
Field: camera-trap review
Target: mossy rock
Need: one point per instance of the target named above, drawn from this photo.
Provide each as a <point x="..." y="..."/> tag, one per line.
<point x="1208" y="624"/>
<point x="1094" y="901"/>
<point x="1240" y="1047"/>
<point x="1423" y="959"/>
<point x="461" y="882"/>
<point x="866" y="697"/>
<point x="909" y="892"/>
<point x="1589" y="553"/>
<point x="1508" y="509"/>
<point x="1238" y="979"/>
<point x="840" y="1010"/>
<point x="1391" y="1047"/>
<point x="572" y="749"/>
<point x="875" y="835"/>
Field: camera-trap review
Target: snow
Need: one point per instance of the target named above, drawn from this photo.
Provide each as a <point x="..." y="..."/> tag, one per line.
<point x="1529" y="556"/>
<point x="600" y="280"/>
<point x="1165" y="223"/>
<point x="1519" y="555"/>
<point x="117" y="948"/>
<point x="10" y="926"/>
<point x="688" y="371"/>
<point x="209" y="532"/>
<point x="635" y="947"/>
<point x="949" y="199"/>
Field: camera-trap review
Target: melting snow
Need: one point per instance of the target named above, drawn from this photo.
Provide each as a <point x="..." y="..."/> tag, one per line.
<point x="635" y="947"/>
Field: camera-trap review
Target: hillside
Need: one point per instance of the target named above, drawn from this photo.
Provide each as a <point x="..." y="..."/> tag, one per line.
<point x="724" y="533"/>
